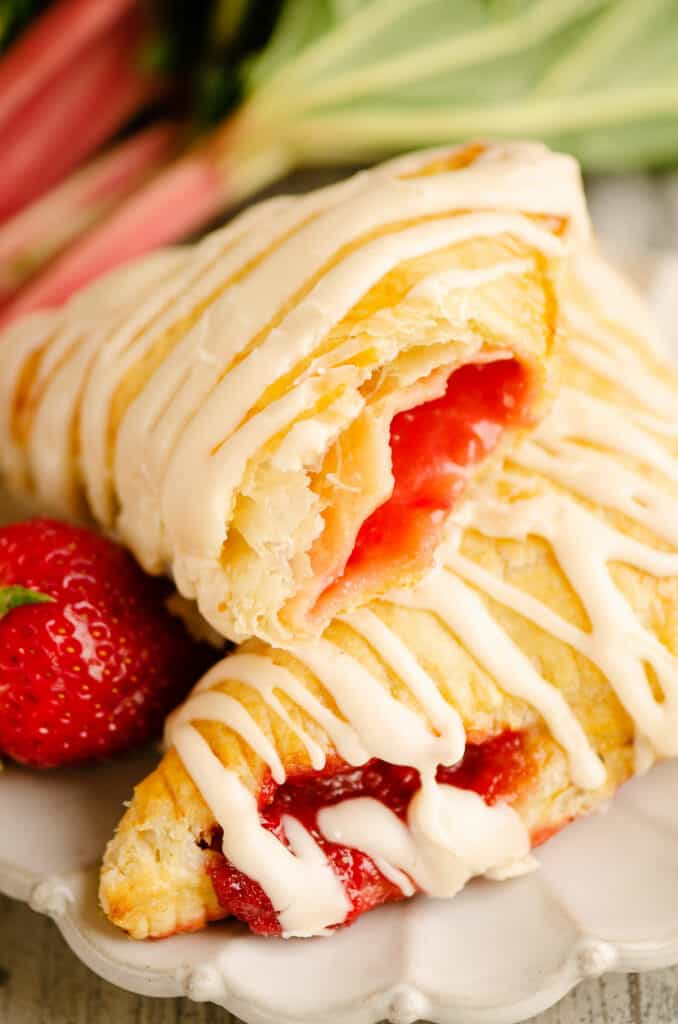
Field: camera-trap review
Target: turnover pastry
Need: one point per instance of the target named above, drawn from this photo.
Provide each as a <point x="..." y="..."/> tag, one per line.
<point x="445" y="730"/>
<point x="246" y="414"/>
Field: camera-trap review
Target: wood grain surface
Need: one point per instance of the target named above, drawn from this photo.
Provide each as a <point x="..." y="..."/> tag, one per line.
<point x="42" y="982"/>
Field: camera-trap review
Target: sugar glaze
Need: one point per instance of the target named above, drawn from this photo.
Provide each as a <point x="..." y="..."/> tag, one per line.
<point x="594" y="450"/>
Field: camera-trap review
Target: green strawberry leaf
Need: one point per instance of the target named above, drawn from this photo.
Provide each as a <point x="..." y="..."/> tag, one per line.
<point x="15" y="597"/>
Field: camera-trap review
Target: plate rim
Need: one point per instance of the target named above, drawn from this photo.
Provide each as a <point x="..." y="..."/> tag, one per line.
<point x="64" y="898"/>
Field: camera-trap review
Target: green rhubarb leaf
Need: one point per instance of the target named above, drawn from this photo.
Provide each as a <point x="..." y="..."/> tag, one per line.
<point x="15" y="597"/>
<point x="353" y="80"/>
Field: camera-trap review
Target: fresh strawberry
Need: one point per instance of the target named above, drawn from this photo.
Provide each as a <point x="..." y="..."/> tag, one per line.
<point x="91" y="661"/>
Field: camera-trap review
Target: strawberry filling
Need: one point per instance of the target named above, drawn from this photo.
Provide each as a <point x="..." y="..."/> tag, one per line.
<point x="497" y="769"/>
<point x="433" y="448"/>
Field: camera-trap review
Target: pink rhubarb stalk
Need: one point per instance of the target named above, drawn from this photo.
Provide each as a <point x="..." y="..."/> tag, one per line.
<point x="71" y="117"/>
<point x="36" y="234"/>
<point x="180" y="200"/>
<point x="51" y="45"/>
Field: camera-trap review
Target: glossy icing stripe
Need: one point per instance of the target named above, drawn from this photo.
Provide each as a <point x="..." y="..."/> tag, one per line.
<point x="299" y="882"/>
<point x="185" y="456"/>
<point x="54" y="445"/>
<point x="468" y="618"/>
<point x="387" y="729"/>
<point x="585" y="546"/>
<point x="50" y="451"/>
<point x="394" y="652"/>
<point x="264" y="676"/>
<point x="613" y="300"/>
<point x="205" y="271"/>
<point x="627" y="492"/>
<point x="153" y="409"/>
<point x="20" y="346"/>
<point x="583" y="441"/>
<point x="215" y="706"/>
<point x="629" y="375"/>
<point x="437" y="287"/>
<point x="53" y="394"/>
<point x="578" y="417"/>
<point x="450" y="835"/>
<point x="250" y="304"/>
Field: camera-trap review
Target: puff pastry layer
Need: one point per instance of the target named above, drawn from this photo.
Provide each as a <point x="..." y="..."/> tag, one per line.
<point x="442" y="731"/>
<point x="226" y="409"/>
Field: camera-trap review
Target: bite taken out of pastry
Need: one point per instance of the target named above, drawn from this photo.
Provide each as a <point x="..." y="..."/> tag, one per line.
<point x="247" y="414"/>
<point x="445" y="730"/>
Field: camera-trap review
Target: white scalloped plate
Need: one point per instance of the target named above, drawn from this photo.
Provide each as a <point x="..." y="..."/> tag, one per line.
<point x="605" y="897"/>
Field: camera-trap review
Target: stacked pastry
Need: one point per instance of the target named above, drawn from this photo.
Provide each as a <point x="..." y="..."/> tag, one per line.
<point x="463" y="449"/>
<point x="229" y="411"/>
<point x="445" y="729"/>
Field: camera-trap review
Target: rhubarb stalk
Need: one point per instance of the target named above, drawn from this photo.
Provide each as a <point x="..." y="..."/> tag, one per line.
<point x="51" y="45"/>
<point x="70" y="117"/>
<point x="36" y="234"/>
<point x="354" y="81"/>
<point x="180" y="200"/>
<point x="176" y="203"/>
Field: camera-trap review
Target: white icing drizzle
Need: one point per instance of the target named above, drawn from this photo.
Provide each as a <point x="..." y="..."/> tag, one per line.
<point x="186" y="440"/>
<point x="21" y="342"/>
<point x="469" y="619"/>
<point x="215" y="706"/>
<point x="394" y="653"/>
<point x="196" y="448"/>
<point x="395" y="733"/>
<point x="451" y="835"/>
<point x="74" y="336"/>
<point x="203" y="272"/>
<point x="299" y="882"/>
<point x="582" y="446"/>
<point x="591" y="448"/>
<point x="629" y="374"/>
<point x="263" y="675"/>
<point x="617" y="301"/>
<point x="50" y="442"/>
<point x="617" y="643"/>
<point x="437" y="287"/>
<point x="581" y="416"/>
<point x="161" y="460"/>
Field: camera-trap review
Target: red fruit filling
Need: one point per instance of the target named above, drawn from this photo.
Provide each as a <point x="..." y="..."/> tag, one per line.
<point x="433" y="447"/>
<point x="498" y="769"/>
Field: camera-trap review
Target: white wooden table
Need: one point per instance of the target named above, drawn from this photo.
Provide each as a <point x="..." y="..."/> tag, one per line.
<point x="42" y="982"/>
